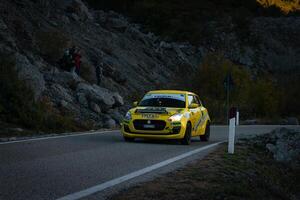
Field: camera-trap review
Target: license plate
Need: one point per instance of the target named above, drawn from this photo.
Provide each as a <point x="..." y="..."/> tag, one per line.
<point x="149" y="126"/>
<point x="149" y="116"/>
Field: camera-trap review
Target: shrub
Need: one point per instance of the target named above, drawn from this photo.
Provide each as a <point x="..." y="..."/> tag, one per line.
<point x="17" y="105"/>
<point x="86" y="72"/>
<point x="254" y="97"/>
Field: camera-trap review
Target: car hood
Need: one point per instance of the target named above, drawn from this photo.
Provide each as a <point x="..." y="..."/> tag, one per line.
<point x="157" y="110"/>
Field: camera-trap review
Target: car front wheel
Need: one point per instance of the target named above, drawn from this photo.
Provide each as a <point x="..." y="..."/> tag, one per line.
<point x="187" y="136"/>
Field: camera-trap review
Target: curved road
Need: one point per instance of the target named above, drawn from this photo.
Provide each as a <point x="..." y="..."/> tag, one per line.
<point x="53" y="168"/>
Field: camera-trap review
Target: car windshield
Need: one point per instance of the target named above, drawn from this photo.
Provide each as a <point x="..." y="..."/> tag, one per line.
<point x="164" y="100"/>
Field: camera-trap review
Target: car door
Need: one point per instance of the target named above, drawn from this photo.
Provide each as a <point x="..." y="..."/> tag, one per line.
<point x="195" y="114"/>
<point x="204" y="116"/>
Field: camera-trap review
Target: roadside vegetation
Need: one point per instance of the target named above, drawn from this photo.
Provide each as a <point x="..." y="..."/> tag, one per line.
<point x="179" y="20"/>
<point x="255" y="95"/>
<point x="250" y="173"/>
<point x="259" y="93"/>
<point x="19" y="109"/>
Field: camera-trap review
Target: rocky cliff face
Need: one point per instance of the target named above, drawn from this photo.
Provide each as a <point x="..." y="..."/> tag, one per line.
<point x="132" y="61"/>
<point x="268" y="43"/>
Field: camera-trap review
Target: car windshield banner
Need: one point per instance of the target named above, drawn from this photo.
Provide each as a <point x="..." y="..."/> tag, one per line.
<point x="179" y="97"/>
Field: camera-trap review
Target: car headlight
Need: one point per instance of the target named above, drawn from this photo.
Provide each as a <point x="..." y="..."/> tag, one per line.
<point x="128" y="116"/>
<point x="175" y="118"/>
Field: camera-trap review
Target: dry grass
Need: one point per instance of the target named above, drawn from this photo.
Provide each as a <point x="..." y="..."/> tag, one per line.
<point x="249" y="174"/>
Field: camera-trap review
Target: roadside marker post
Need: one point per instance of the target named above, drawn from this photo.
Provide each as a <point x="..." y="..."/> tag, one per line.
<point x="237" y="118"/>
<point x="231" y="136"/>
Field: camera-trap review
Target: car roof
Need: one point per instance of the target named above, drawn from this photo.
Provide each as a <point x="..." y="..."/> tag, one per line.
<point x="170" y="92"/>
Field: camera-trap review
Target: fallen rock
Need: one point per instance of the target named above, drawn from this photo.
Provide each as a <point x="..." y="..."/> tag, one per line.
<point x="110" y="123"/>
<point x="103" y="97"/>
<point x="59" y="93"/>
<point x="77" y="7"/>
<point x="82" y="99"/>
<point x="63" y="78"/>
<point x="118" y="99"/>
<point x="285" y="145"/>
<point x="116" y="115"/>
<point x="94" y="107"/>
<point x="117" y="23"/>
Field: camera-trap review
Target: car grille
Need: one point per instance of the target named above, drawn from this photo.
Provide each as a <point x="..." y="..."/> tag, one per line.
<point x="158" y="125"/>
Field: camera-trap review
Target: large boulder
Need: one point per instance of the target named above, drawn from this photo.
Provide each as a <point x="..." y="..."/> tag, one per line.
<point x="103" y="97"/>
<point x="285" y="145"/>
<point x="116" y="115"/>
<point x="119" y="24"/>
<point x="30" y="74"/>
<point x="66" y="79"/>
<point x="81" y="98"/>
<point x="59" y="93"/>
<point x="95" y="108"/>
<point x="118" y="99"/>
<point x="110" y="124"/>
<point x="78" y="8"/>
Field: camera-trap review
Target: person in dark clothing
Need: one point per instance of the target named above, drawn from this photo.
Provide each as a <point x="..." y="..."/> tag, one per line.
<point x="66" y="61"/>
<point x="99" y="69"/>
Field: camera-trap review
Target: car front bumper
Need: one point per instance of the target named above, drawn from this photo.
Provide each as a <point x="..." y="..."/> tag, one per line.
<point x="175" y="130"/>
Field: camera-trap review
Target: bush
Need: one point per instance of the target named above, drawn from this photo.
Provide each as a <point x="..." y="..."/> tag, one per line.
<point x="52" y="44"/>
<point x="86" y="72"/>
<point x="254" y="97"/>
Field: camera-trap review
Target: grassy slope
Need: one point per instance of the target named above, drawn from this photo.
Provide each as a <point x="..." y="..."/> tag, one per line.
<point x="250" y="173"/>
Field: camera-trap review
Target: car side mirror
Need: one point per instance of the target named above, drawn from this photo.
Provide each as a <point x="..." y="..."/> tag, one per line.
<point x="135" y="104"/>
<point x="194" y="105"/>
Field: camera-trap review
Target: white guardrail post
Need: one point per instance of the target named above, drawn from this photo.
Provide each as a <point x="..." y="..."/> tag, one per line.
<point x="231" y="136"/>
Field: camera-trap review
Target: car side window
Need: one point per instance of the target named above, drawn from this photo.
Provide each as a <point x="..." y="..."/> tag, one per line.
<point x="198" y="100"/>
<point x="193" y="99"/>
<point x="190" y="99"/>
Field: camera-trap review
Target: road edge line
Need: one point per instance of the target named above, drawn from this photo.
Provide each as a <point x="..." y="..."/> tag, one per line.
<point x="56" y="137"/>
<point x="132" y="175"/>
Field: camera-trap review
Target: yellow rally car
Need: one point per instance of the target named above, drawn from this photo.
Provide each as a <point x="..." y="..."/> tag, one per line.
<point x="167" y="114"/>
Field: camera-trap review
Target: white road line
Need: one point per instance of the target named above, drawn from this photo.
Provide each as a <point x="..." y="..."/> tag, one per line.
<point x="56" y="137"/>
<point x="116" y="181"/>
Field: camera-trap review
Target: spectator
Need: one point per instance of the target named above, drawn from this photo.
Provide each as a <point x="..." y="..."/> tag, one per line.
<point x="99" y="69"/>
<point x="77" y="61"/>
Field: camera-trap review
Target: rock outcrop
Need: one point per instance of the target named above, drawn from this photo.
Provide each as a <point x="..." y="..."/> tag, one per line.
<point x="285" y="145"/>
<point x="126" y="60"/>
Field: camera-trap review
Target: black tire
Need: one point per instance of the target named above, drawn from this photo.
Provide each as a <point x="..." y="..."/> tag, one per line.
<point x="187" y="136"/>
<point x="206" y="135"/>
<point x="127" y="139"/>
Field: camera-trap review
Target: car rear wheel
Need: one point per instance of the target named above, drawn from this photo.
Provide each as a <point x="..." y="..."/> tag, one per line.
<point x="187" y="136"/>
<point x="128" y="139"/>
<point x="206" y="135"/>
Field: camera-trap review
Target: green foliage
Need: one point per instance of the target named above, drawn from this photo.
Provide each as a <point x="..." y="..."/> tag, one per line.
<point x="15" y="98"/>
<point x="17" y="105"/>
<point x="52" y="44"/>
<point x="254" y="97"/>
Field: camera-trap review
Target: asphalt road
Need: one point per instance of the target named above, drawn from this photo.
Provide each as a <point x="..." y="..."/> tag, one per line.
<point x="53" y="168"/>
